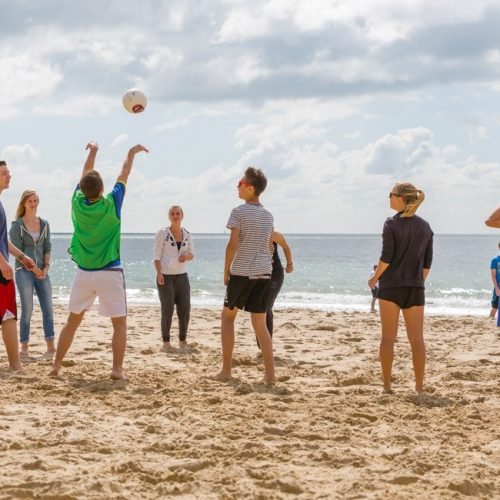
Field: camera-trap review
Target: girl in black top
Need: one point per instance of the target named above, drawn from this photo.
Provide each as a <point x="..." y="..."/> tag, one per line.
<point x="402" y="269"/>
<point x="277" y="276"/>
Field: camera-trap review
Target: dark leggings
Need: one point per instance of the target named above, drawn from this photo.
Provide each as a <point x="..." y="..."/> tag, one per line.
<point x="175" y="291"/>
<point x="276" y="284"/>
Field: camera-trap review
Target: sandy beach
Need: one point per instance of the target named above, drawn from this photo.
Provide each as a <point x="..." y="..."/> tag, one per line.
<point x="324" y="431"/>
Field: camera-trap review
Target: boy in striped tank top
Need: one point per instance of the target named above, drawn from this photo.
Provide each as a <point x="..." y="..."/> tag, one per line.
<point x="247" y="271"/>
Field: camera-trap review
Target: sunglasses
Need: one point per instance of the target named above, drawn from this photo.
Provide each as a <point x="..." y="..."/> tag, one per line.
<point x="243" y="183"/>
<point x="391" y="194"/>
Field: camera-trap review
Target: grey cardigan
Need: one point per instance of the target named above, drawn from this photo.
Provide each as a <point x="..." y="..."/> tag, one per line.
<point x="22" y="239"/>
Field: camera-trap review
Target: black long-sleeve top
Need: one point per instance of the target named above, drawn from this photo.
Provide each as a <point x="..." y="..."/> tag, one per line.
<point x="407" y="248"/>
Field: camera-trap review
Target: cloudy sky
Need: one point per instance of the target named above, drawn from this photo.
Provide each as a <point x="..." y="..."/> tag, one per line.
<point x="336" y="100"/>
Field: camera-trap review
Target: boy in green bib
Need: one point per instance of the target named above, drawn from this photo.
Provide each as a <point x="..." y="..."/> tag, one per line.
<point x="95" y="247"/>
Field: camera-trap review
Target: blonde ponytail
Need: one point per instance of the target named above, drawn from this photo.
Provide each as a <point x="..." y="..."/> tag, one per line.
<point x="412" y="197"/>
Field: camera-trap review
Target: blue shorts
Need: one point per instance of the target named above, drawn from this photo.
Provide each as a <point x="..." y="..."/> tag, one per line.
<point x="494" y="300"/>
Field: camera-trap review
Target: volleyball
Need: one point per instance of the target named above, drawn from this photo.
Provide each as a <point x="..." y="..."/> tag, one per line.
<point x="135" y="101"/>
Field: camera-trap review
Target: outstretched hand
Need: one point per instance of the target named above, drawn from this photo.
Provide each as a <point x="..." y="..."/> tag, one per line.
<point x="93" y="146"/>
<point x="137" y="149"/>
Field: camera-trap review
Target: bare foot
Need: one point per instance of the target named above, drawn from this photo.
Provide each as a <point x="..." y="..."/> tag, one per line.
<point x="182" y="344"/>
<point x="387" y="390"/>
<point x="271" y="381"/>
<point x="419" y="390"/>
<point x="51" y="348"/>
<point x="167" y="346"/>
<point x="55" y="370"/>
<point x="118" y="375"/>
<point x="223" y="376"/>
<point x="16" y="367"/>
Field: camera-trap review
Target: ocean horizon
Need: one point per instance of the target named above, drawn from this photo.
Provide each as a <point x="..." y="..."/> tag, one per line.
<point x="331" y="271"/>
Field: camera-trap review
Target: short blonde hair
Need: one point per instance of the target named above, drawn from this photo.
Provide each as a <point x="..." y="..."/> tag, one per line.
<point x="21" y="209"/>
<point x="412" y="197"/>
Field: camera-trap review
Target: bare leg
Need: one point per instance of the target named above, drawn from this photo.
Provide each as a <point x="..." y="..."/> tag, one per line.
<point x="9" y="334"/>
<point x="389" y="317"/>
<point x="372" y="309"/>
<point x="65" y="340"/>
<point x="50" y="347"/>
<point x="414" y="319"/>
<point x="493" y="312"/>
<point x="266" y="345"/>
<point x="119" y="344"/>
<point x="24" y="348"/>
<point x="227" y="318"/>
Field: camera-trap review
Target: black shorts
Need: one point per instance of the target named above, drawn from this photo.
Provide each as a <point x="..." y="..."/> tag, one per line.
<point x="252" y="295"/>
<point x="375" y="292"/>
<point x="405" y="296"/>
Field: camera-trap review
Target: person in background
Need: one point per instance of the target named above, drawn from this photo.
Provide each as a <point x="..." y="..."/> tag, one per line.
<point x="495" y="278"/>
<point x="31" y="234"/>
<point x="277" y="275"/>
<point x="374" y="290"/>
<point x="172" y="250"/>
<point x="405" y="262"/>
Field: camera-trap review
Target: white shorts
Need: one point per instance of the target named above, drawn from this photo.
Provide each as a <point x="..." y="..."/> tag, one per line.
<point x="108" y="285"/>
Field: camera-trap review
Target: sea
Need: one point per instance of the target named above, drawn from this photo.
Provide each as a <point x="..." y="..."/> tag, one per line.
<point x="331" y="271"/>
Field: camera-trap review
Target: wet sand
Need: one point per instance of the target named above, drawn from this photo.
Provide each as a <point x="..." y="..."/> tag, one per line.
<point x="324" y="431"/>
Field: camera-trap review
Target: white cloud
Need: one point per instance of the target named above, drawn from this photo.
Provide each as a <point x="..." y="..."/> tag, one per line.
<point x="19" y="154"/>
<point x="25" y="77"/>
<point x="77" y="106"/>
<point x="119" y="139"/>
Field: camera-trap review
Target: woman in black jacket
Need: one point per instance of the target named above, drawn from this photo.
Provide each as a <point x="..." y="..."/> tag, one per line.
<point x="402" y="269"/>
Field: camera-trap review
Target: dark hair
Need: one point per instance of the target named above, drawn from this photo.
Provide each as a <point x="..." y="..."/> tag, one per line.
<point x="91" y="185"/>
<point x="257" y="179"/>
<point x="3" y="163"/>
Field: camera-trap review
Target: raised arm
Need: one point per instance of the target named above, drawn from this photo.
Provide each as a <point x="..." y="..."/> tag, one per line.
<point x="129" y="161"/>
<point x="92" y="148"/>
<point x="281" y="241"/>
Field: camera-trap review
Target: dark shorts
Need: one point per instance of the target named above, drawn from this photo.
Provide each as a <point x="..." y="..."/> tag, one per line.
<point x="252" y="295"/>
<point x="494" y="300"/>
<point x="8" y="307"/>
<point x="375" y="292"/>
<point x="404" y="297"/>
